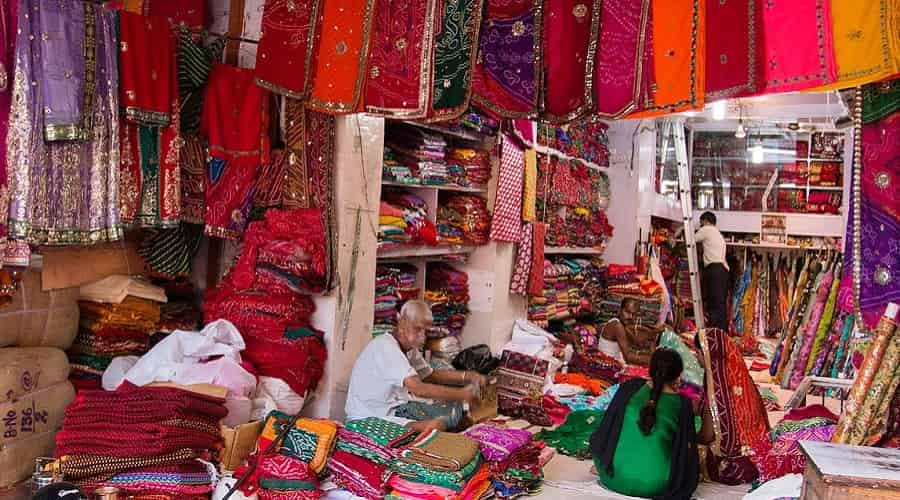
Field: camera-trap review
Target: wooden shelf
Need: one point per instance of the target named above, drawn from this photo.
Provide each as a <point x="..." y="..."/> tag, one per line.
<point x="572" y="251"/>
<point x="469" y="136"/>
<point x="439" y="187"/>
<point x="423" y="251"/>
<point x="777" y="246"/>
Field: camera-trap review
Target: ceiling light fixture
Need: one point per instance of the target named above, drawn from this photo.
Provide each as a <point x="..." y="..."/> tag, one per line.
<point x="718" y="110"/>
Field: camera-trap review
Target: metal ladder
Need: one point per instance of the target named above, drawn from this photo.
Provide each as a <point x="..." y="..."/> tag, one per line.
<point x="675" y="128"/>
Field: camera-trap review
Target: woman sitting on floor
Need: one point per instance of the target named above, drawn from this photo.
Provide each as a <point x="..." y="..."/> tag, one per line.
<point x="646" y="444"/>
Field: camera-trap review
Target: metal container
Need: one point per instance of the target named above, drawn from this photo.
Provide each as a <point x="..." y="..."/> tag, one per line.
<point x="107" y="493"/>
<point x="39" y="480"/>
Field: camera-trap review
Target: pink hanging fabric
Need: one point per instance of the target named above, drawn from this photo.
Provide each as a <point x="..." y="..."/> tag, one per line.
<point x="507" y="222"/>
<point x="798" y="46"/>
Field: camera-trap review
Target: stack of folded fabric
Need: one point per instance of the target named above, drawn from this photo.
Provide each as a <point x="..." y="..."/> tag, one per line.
<point x="142" y="440"/>
<point x="394" y="171"/>
<point x="497" y="443"/>
<point x="476" y="165"/>
<point x="585" y="139"/>
<point x="394" y="285"/>
<point x="109" y="330"/>
<point x="520" y="474"/>
<point x="650" y="306"/>
<point x="374" y="439"/>
<point x="474" y="122"/>
<point x="463" y="218"/>
<point x="179" y="315"/>
<point x="619" y="274"/>
<point x="778" y="453"/>
<point x="310" y="441"/>
<point x="447" y="292"/>
<point x="264" y="296"/>
<point x="420" y="151"/>
<point x="403" y="220"/>
<point x="279" y="477"/>
<point x="437" y="459"/>
<point x="573" y="289"/>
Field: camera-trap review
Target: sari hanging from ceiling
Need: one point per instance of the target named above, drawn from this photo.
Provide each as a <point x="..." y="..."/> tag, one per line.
<point x="866" y="39"/>
<point x="309" y="175"/>
<point x="8" y="13"/>
<point x="189" y="13"/>
<point x="798" y="51"/>
<point x="732" y="62"/>
<point x="236" y="121"/>
<point x="150" y="172"/>
<point x="146" y="55"/>
<point x="284" y="59"/>
<point x="620" y="54"/>
<point x="880" y="216"/>
<point x="398" y="80"/>
<point x="455" y="51"/>
<point x="738" y="413"/>
<point x="679" y="38"/>
<point x="508" y="73"/>
<point x="67" y="87"/>
<point x="571" y="29"/>
<point x="64" y="192"/>
<point x="340" y="64"/>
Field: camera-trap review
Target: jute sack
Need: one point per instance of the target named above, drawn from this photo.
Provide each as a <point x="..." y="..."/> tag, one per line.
<point x="36" y="318"/>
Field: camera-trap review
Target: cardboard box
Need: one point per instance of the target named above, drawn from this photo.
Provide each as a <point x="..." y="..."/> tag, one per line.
<point x="487" y="408"/>
<point x="240" y="442"/>
<point x="27" y="369"/>
<point x="28" y="428"/>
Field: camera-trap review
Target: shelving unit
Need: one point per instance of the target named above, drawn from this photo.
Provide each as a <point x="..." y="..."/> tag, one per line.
<point x="439" y="187"/>
<point x="713" y="173"/>
<point x="412" y="252"/>
<point x="572" y="251"/>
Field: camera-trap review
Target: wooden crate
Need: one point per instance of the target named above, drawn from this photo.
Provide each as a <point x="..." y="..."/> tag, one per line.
<point x="837" y="472"/>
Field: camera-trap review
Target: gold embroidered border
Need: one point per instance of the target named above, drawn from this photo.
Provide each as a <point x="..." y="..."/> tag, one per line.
<point x="454" y="112"/>
<point x="90" y="69"/>
<point x="638" y="66"/>
<point x="537" y="31"/>
<point x="749" y="87"/>
<point x="426" y="73"/>
<point x="588" y="97"/>
<point x="334" y="107"/>
<point x="146" y="117"/>
<point x="63" y="132"/>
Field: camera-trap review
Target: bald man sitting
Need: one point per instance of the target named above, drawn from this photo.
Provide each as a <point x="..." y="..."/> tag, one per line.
<point x="392" y="380"/>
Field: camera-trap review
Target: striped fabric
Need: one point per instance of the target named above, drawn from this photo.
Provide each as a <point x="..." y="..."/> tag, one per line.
<point x="168" y="253"/>
<point x="194" y="64"/>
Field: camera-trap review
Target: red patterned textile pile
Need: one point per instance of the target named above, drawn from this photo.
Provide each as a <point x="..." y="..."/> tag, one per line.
<point x="283" y="257"/>
<point x="143" y="440"/>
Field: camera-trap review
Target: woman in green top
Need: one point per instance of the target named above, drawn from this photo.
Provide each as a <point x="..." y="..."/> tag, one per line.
<point x="646" y="445"/>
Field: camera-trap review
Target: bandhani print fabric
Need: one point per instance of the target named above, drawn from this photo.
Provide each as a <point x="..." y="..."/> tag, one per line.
<point x="798" y="45"/>
<point x="618" y="70"/>
<point x="346" y="28"/>
<point x="508" y="74"/>
<point x="866" y="41"/>
<point x="732" y="59"/>
<point x="678" y="63"/>
<point x="739" y="415"/>
<point x="570" y="41"/>
<point x="455" y="52"/>
<point x="235" y="119"/>
<point x="519" y="281"/>
<point x="398" y="83"/>
<point x="507" y="221"/>
<point x="287" y="48"/>
<point x="309" y="174"/>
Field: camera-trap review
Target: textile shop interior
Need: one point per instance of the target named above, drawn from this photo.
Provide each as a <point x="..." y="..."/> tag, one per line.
<point x="416" y="250"/>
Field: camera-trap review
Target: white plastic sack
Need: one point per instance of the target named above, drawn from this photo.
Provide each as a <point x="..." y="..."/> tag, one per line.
<point x="182" y="357"/>
<point x="274" y="394"/>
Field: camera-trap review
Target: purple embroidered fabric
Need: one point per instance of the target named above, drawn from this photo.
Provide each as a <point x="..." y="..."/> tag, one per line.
<point x="508" y="49"/>
<point x="498" y="443"/>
